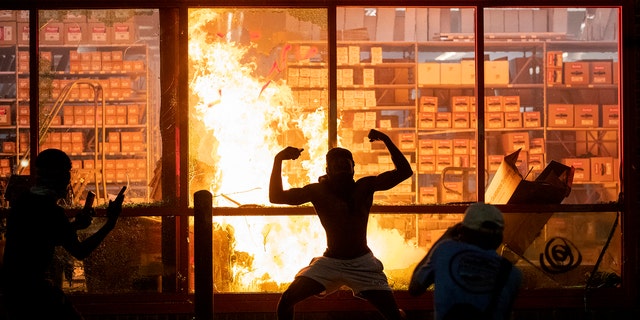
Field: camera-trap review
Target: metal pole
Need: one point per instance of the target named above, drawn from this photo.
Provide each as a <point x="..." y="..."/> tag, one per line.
<point x="203" y="254"/>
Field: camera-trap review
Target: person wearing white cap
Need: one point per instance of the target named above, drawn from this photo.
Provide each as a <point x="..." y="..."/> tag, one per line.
<point x="471" y="280"/>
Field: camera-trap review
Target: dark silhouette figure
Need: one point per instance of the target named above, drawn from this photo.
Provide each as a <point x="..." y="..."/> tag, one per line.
<point x="36" y="225"/>
<point x="342" y="205"/>
<point x="471" y="280"/>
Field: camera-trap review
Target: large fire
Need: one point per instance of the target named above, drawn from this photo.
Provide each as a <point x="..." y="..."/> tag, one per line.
<point x="241" y="115"/>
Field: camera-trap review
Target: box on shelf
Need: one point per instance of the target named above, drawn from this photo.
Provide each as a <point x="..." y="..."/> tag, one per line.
<point x="75" y="33"/>
<point x="22" y="33"/>
<point x="460" y="120"/>
<point x="450" y="73"/>
<point x="427" y="163"/>
<point x="468" y="71"/>
<point x="610" y="115"/>
<point x="493" y="104"/>
<point x="582" y="167"/>
<point x="602" y="169"/>
<point x="514" y="141"/>
<point x="426" y="120"/>
<point x="536" y="162"/>
<point x="494" y="120"/>
<point x="452" y="191"/>
<point x="513" y="119"/>
<point x="5" y="115"/>
<point x="460" y="104"/>
<point x="428" y="194"/>
<point x="443" y="120"/>
<point x="496" y="72"/>
<point x="428" y="73"/>
<point x="554" y="59"/>
<point x="601" y="72"/>
<point x="511" y="103"/>
<point x="123" y="33"/>
<point x="7" y="15"/>
<point x="560" y="115"/>
<point x="7" y="32"/>
<point x="531" y="119"/>
<point x="586" y="115"/>
<point x="576" y="73"/>
<point x="554" y="76"/>
<point x="444" y="147"/>
<point x="427" y="146"/>
<point x="52" y="33"/>
<point x="99" y="33"/>
<point x="428" y="104"/>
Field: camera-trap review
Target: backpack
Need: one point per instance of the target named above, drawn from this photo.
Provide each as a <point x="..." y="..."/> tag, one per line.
<point x="465" y="311"/>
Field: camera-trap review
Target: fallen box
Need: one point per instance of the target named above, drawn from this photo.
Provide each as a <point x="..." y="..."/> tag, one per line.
<point x="508" y="186"/>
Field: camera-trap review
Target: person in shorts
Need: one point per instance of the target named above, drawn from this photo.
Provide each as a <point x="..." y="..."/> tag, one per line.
<point x="343" y="205"/>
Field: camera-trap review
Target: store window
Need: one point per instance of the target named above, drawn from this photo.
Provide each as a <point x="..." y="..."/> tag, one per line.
<point x="98" y="102"/>
<point x="410" y="72"/>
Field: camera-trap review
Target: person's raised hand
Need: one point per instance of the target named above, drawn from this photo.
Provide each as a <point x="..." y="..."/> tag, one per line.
<point x="289" y="153"/>
<point x="375" y="135"/>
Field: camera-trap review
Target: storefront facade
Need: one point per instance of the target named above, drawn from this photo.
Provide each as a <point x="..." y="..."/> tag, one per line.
<point x="170" y="98"/>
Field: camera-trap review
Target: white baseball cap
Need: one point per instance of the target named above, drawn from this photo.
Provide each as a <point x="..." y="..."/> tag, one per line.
<point x="478" y="213"/>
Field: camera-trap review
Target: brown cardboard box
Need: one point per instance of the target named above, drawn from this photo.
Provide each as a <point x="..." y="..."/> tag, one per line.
<point x="428" y="73"/>
<point x="560" y="115"/>
<point x="536" y="162"/>
<point x="602" y="169"/>
<point x="452" y="191"/>
<point x="22" y="33"/>
<point x="536" y="146"/>
<point x="450" y="73"/>
<point x="531" y="119"/>
<point x="460" y="120"/>
<point x="467" y="72"/>
<point x="511" y="103"/>
<point x="496" y="72"/>
<point x="582" y="167"/>
<point x="427" y="164"/>
<point x="52" y="33"/>
<point x="426" y="147"/>
<point x="493" y="162"/>
<point x="508" y="186"/>
<point x="7" y="15"/>
<point x="513" y="119"/>
<point x="5" y="115"/>
<point x="576" y="73"/>
<point x="586" y="115"/>
<point x="601" y="72"/>
<point x="99" y="33"/>
<point x="443" y="120"/>
<point x="494" y="104"/>
<point x="7" y="32"/>
<point x="428" y="104"/>
<point x="554" y="59"/>
<point x="426" y="120"/>
<point x="460" y="104"/>
<point x="554" y="76"/>
<point x="610" y="115"/>
<point x="75" y="33"/>
<point x="443" y="161"/>
<point x="123" y="33"/>
<point x="461" y="146"/>
<point x="494" y="120"/>
<point x="444" y="147"/>
<point x="514" y="141"/>
<point x="428" y="195"/>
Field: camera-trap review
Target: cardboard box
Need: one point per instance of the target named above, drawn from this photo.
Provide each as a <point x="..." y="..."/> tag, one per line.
<point x="22" y="33"/>
<point x="494" y="120"/>
<point x="460" y="120"/>
<point x="576" y="73"/>
<point x="443" y="162"/>
<point x="531" y="119"/>
<point x="560" y="115"/>
<point x="554" y="59"/>
<point x="536" y="162"/>
<point x="444" y="147"/>
<point x="443" y="120"/>
<point x="554" y="76"/>
<point x="610" y="115"/>
<point x="452" y="191"/>
<point x="602" y="169"/>
<point x="450" y="73"/>
<point x="426" y="147"/>
<point x="536" y="146"/>
<point x="428" y="195"/>
<point x="509" y="187"/>
<point x="511" y="103"/>
<point x="7" y="32"/>
<point x="496" y="72"/>
<point x="428" y="104"/>
<point x="601" y="72"/>
<point x="75" y="33"/>
<point x="5" y="115"/>
<point x="52" y="33"/>
<point x="582" y="167"/>
<point x="426" y="120"/>
<point x="99" y="33"/>
<point x="427" y="164"/>
<point x="460" y="104"/>
<point x="586" y="115"/>
<point x="514" y="141"/>
<point x="493" y="104"/>
<point x="7" y="15"/>
<point x="428" y="73"/>
<point x="123" y="33"/>
<point x="513" y="119"/>
<point x="461" y="146"/>
<point x="467" y="72"/>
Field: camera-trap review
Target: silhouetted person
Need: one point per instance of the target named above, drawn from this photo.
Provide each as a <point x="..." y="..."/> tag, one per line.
<point x="342" y="205"/>
<point x="471" y="280"/>
<point x="36" y="225"/>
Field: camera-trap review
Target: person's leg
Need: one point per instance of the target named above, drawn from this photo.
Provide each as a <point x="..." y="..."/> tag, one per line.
<point x="385" y="302"/>
<point x="300" y="289"/>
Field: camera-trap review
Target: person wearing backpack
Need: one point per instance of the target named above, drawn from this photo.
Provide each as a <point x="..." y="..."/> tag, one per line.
<point x="471" y="280"/>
